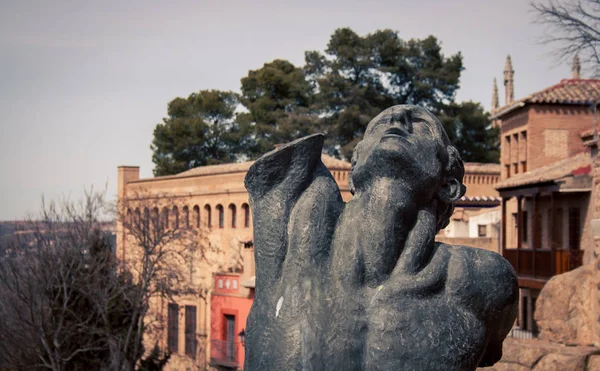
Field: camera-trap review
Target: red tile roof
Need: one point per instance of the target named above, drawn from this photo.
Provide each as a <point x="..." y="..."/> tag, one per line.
<point x="568" y="91"/>
<point x="576" y="165"/>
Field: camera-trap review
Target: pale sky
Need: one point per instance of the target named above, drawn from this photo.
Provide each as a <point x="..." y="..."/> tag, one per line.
<point x="84" y="83"/>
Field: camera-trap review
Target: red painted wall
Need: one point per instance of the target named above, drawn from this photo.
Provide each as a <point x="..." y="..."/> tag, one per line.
<point x="230" y="301"/>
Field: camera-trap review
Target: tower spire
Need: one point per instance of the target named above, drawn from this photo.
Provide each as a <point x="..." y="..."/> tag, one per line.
<point x="495" y="98"/>
<point x="576" y="67"/>
<point x="509" y="82"/>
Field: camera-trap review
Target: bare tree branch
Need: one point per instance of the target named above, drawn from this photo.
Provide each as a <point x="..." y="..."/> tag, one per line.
<point x="573" y="28"/>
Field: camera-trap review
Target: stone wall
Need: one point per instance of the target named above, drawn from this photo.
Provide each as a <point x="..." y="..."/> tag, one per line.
<point x="486" y="243"/>
<point x="539" y="355"/>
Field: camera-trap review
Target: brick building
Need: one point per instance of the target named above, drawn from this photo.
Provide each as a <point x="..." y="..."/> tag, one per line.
<point x="546" y="182"/>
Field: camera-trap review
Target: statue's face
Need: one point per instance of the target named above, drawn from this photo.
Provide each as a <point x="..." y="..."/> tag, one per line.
<point x="403" y="143"/>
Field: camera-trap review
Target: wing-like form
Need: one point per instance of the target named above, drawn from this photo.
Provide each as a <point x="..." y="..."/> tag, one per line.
<point x="295" y="205"/>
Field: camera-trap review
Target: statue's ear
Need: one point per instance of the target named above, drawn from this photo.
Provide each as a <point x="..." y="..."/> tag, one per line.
<point x="451" y="191"/>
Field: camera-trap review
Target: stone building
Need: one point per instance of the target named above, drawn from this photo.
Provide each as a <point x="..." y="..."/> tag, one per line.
<point x="202" y="330"/>
<point x="545" y="182"/>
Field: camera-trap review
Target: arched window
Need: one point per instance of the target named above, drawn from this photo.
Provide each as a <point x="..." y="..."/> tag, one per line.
<point x="155" y="219"/>
<point x="221" y="216"/>
<point x="186" y="217"/>
<point x="165" y="217"/>
<point x="129" y="218"/>
<point x="175" y="217"/>
<point x="232" y="212"/>
<point x="146" y="221"/>
<point x="138" y="217"/>
<point x="246" y="209"/>
<point x="208" y="217"/>
<point x="196" y="216"/>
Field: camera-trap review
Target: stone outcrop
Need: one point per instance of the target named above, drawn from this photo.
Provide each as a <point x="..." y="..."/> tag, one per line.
<point x="539" y="355"/>
<point x="568" y="307"/>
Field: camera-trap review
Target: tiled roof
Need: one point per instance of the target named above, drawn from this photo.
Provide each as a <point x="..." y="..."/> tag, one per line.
<point x="575" y="165"/>
<point x="330" y="162"/>
<point x="568" y="91"/>
<point x="481" y="199"/>
<point x="478" y="167"/>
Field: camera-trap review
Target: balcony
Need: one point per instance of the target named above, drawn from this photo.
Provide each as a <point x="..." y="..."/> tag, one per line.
<point x="224" y="353"/>
<point x="541" y="264"/>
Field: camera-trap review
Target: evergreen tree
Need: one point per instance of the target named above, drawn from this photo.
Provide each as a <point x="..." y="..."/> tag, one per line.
<point x="358" y="77"/>
<point x="278" y="99"/>
<point x="199" y="130"/>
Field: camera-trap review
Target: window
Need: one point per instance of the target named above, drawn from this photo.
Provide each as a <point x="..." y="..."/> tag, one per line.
<point x="190" y="330"/>
<point x="507" y="171"/>
<point x="208" y="218"/>
<point x="196" y="216"/>
<point x="514" y="156"/>
<point x="506" y="150"/>
<point x="175" y="217"/>
<point x="129" y="218"/>
<point x="525" y="224"/>
<point x="574" y="228"/>
<point x="523" y="166"/>
<point x="481" y="230"/>
<point x="232" y="212"/>
<point x="220" y="283"/>
<point x="155" y="219"/>
<point x="221" y="216"/>
<point x="146" y="217"/>
<point x="246" y="209"/>
<point x="166" y="217"/>
<point x="186" y="217"/>
<point x="230" y="336"/>
<point x="173" y="328"/>
<point x="516" y="168"/>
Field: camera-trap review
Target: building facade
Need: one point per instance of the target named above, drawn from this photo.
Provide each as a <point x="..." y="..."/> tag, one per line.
<point x="201" y="326"/>
<point x="545" y="183"/>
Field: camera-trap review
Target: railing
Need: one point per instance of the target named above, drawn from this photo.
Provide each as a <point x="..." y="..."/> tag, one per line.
<point x="543" y="263"/>
<point x="517" y="333"/>
<point x="224" y="352"/>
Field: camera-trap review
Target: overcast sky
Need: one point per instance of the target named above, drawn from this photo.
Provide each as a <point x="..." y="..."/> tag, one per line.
<point x="84" y="83"/>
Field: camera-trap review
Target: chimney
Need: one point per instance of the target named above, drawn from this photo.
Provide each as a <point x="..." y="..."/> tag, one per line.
<point x="125" y="175"/>
<point x="509" y="82"/>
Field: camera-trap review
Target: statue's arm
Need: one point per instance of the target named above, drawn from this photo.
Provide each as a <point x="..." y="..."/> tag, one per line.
<point x="275" y="182"/>
<point x="487" y="284"/>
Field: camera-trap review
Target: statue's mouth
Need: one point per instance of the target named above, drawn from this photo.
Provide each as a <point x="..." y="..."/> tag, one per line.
<point x="396" y="132"/>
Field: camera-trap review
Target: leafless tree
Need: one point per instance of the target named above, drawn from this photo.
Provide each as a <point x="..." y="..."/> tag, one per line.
<point x="67" y="302"/>
<point x="573" y="27"/>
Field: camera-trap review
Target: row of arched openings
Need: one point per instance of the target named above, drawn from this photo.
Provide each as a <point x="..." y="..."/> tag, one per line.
<point x="172" y="218"/>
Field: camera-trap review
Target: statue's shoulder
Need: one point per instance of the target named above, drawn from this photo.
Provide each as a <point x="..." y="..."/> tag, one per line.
<point x="288" y="167"/>
<point x="482" y="278"/>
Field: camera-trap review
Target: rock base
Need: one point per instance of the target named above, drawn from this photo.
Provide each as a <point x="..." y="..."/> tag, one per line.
<point x="540" y="355"/>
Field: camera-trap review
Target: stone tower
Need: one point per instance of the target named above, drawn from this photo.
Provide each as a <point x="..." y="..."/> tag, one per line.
<point x="509" y="81"/>
<point x="576" y="67"/>
<point x="495" y="98"/>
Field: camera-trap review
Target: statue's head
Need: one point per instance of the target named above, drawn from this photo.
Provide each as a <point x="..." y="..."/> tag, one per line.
<point x="409" y="146"/>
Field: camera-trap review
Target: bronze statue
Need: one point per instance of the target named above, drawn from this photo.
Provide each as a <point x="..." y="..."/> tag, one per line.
<point x="363" y="285"/>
